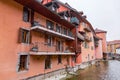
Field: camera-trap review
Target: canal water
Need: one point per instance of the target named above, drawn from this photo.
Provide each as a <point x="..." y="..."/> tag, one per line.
<point x="107" y="70"/>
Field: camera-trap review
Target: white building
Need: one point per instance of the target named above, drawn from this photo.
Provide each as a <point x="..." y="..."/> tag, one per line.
<point x="118" y="50"/>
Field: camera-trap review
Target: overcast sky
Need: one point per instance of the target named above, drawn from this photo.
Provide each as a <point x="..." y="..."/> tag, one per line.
<point x="102" y="14"/>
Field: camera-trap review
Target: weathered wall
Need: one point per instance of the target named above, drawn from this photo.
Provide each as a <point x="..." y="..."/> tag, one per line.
<point x="104" y="44"/>
<point x="98" y="51"/>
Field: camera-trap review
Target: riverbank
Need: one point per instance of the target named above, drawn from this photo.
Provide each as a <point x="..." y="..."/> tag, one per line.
<point x="81" y="67"/>
<point x="65" y="73"/>
<point x="107" y="70"/>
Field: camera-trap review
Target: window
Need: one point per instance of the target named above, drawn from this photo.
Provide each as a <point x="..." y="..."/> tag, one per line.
<point x="54" y="8"/>
<point x="74" y="58"/>
<point x="50" y="25"/>
<point x="48" y="62"/>
<point x="92" y="48"/>
<point x="26" y="15"/>
<point x="49" y="40"/>
<point x="58" y="28"/>
<point x="90" y="38"/>
<point x="70" y="33"/>
<point x="83" y="24"/>
<point x="86" y="45"/>
<point x="59" y="59"/>
<point x="59" y="46"/>
<point x="23" y="63"/>
<point x="65" y="31"/>
<point x="24" y="36"/>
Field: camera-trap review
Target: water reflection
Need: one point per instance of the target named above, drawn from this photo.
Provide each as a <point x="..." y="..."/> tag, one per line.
<point x="108" y="70"/>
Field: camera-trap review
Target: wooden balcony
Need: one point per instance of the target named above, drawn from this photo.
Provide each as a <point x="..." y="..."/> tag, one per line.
<point x="86" y="28"/>
<point x="74" y="20"/>
<point x="80" y="37"/>
<point x="48" y="31"/>
<point x="38" y="48"/>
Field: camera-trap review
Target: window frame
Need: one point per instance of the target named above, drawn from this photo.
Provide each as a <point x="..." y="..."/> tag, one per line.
<point x="58" y="28"/>
<point x="26" y="14"/>
<point x="49" y="25"/>
<point x="60" y="47"/>
<point x="65" y="31"/>
<point x="48" y="62"/>
<point x="86" y="45"/>
<point x="24" y="36"/>
<point x="59" y="59"/>
<point x="19" y="61"/>
<point x="49" y="40"/>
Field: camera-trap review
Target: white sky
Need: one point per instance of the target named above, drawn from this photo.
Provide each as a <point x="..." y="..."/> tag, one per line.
<point x="102" y="14"/>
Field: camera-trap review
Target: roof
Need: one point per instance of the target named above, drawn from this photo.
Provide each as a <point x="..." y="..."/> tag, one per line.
<point x="44" y="11"/>
<point x="65" y="5"/>
<point x="100" y="31"/>
<point x="114" y="42"/>
<point x="77" y="13"/>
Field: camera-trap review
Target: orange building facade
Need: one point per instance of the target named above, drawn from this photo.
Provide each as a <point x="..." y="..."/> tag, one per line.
<point x="102" y="34"/>
<point x="43" y="38"/>
<point x="112" y="46"/>
<point x="36" y="44"/>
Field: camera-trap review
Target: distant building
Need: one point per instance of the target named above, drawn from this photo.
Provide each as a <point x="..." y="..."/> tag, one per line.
<point x="118" y="50"/>
<point x="102" y="34"/>
<point x="98" y="48"/>
<point x="113" y="46"/>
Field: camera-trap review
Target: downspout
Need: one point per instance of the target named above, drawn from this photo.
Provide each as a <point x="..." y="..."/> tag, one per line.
<point x="76" y="41"/>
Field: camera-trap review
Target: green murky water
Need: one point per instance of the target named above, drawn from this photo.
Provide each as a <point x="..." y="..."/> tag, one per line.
<point x="108" y="70"/>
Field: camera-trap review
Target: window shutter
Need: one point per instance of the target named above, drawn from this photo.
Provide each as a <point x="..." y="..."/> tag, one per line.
<point x="46" y="39"/>
<point x="56" y="45"/>
<point x="30" y="37"/>
<point x="20" y="35"/>
<point x="26" y="13"/>
<point x="50" y="61"/>
<point x="27" y="65"/>
<point x="32" y="17"/>
<point x="18" y="64"/>
<point x="62" y="46"/>
<point x="53" y="41"/>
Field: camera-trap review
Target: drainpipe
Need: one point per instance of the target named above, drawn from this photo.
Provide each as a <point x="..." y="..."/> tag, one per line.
<point x="76" y="30"/>
<point x="76" y="40"/>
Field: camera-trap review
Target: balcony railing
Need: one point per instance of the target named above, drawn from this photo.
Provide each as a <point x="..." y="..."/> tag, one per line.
<point x="44" y="29"/>
<point x="74" y="20"/>
<point x="38" y="48"/>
